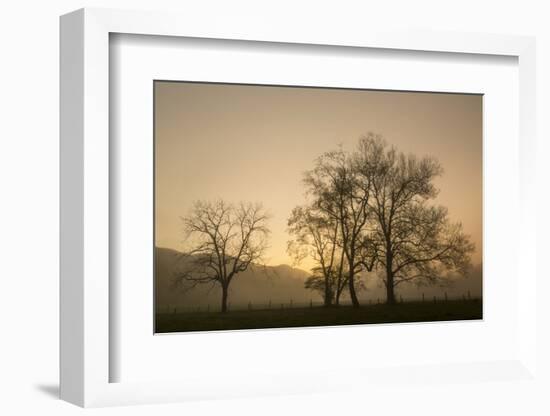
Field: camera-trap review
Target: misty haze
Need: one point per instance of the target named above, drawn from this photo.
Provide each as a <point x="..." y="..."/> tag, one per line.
<point x="292" y="207"/>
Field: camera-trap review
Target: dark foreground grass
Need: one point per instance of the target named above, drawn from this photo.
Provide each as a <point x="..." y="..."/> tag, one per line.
<point x="319" y="316"/>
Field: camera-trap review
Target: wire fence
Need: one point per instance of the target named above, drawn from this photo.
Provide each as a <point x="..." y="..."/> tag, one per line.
<point x="291" y="304"/>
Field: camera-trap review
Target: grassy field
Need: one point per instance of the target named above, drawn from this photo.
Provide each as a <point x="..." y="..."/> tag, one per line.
<point x="319" y="316"/>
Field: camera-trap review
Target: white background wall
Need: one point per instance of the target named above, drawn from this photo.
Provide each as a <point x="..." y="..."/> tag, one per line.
<point x="29" y="205"/>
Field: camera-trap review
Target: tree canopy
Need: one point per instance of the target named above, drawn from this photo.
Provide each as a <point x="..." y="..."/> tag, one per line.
<point x="380" y="204"/>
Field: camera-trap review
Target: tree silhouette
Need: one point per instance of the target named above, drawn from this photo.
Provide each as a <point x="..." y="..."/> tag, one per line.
<point x="377" y="200"/>
<point x="337" y="191"/>
<point x="316" y="235"/>
<point x="223" y="240"/>
<point x="413" y="241"/>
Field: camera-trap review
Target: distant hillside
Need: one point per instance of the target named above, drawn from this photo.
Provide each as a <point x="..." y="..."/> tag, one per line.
<point x="257" y="285"/>
<point x="281" y="284"/>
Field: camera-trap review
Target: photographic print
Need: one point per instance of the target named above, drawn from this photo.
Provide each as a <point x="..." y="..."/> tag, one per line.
<point x="286" y="206"/>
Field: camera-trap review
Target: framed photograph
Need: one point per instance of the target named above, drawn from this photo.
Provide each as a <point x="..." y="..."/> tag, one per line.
<point x="273" y="209"/>
<point x="284" y="195"/>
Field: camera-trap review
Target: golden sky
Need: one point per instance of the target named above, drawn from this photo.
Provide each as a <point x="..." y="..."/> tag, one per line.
<point x="253" y="143"/>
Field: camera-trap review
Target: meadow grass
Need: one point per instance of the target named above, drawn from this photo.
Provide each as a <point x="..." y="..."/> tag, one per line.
<point x="320" y="316"/>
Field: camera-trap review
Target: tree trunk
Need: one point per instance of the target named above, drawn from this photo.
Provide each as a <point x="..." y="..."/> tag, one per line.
<point x="390" y="294"/>
<point x="340" y="284"/>
<point x="328" y="295"/>
<point x="224" y="298"/>
<point x="352" y="294"/>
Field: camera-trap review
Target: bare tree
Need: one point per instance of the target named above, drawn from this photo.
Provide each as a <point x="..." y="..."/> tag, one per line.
<point x="316" y="235"/>
<point x="413" y="241"/>
<point x="223" y="240"/>
<point x="337" y="191"/>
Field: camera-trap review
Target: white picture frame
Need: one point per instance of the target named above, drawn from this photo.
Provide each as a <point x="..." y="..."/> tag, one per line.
<point x="85" y="220"/>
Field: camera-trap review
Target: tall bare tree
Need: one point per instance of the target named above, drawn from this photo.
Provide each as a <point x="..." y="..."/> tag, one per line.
<point x="336" y="190"/>
<point x="316" y="235"/>
<point x="223" y="240"/>
<point x="413" y="241"/>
